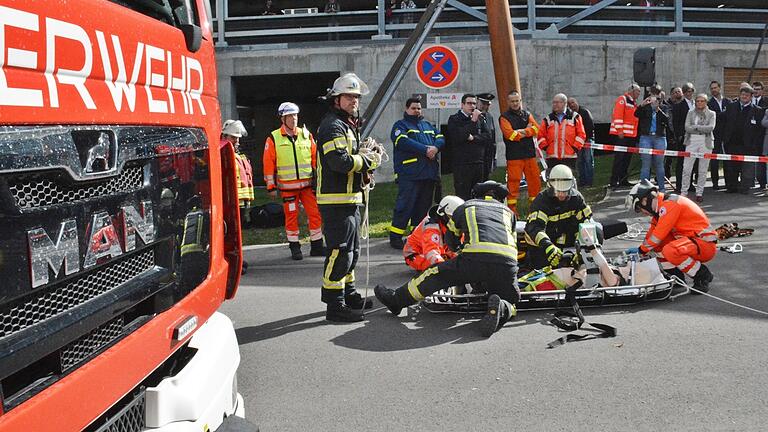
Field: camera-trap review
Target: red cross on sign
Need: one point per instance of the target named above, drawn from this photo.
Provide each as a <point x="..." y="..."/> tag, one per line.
<point x="437" y="67"/>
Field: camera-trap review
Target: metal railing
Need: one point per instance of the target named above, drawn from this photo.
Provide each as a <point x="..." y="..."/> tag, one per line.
<point x="606" y="20"/>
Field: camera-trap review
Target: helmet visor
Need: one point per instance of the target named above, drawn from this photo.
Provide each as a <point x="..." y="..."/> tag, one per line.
<point x="561" y="185"/>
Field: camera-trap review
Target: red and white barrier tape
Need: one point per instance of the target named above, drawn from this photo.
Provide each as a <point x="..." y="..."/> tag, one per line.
<point x="726" y="157"/>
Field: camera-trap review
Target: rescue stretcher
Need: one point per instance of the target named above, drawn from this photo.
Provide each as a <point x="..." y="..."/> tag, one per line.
<point x="640" y="280"/>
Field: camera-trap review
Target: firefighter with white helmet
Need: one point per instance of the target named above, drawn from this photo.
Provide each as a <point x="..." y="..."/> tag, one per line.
<point x="290" y="162"/>
<point x="427" y="246"/>
<point x="231" y="132"/>
<point x="488" y="257"/>
<point x="344" y="165"/>
<point x="554" y="218"/>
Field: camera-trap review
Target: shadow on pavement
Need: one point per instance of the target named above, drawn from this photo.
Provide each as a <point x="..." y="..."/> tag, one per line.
<point x="246" y="335"/>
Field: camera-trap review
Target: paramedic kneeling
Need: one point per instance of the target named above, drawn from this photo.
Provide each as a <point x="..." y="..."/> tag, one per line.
<point x="488" y="255"/>
<point x="426" y="246"/>
<point x="680" y="233"/>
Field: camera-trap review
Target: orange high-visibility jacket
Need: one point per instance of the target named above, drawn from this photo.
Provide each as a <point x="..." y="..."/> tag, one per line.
<point x="427" y="240"/>
<point x="678" y="217"/>
<point x="288" y="169"/>
<point x="623" y="116"/>
<point x="562" y="139"/>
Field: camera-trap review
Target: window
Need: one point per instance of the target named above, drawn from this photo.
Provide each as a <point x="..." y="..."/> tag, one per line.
<point x="172" y="12"/>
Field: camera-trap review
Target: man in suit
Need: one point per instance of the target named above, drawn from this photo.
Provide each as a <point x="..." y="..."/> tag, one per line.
<point x="742" y="134"/>
<point x="757" y="97"/>
<point x="679" y="113"/>
<point x="761" y="101"/>
<point x="718" y="104"/>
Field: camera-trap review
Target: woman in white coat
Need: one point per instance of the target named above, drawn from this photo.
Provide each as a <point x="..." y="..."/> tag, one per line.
<point x="699" y="124"/>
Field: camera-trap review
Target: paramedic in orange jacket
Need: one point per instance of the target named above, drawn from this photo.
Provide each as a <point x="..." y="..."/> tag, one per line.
<point x="231" y="132"/>
<point x="680" y="233"/>
<point x="561" y="134"/>
<point x="624" y="129"/>
<point x="426" y="245"/>
<point x="519" y="131"/>
<point x="290" y="161"/>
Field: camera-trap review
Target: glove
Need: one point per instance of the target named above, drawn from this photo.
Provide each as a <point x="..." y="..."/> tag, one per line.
<point x="554" y="254"/>
<point x="373" y="158"/>
<point x="633" y="251"/>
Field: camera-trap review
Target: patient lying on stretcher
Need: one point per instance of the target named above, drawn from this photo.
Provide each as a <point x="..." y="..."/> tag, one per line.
<point x="581" y="272"/>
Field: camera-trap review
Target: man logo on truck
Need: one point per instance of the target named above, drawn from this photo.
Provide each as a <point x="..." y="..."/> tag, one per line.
<point x="102" y="241"/>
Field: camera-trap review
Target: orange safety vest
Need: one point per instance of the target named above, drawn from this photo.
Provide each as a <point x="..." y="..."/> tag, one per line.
<point x="288" y="165"/>
<point x="678" y="217"/>
<point x="562" y="139"/>
<point x="623" y="116"/>
<point x="427" y="240"/>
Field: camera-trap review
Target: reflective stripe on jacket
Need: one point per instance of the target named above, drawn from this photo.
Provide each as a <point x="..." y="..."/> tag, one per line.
<point x="244" y="178"/>
<point x="564" y="139"/>
<point x="678" y="217"/>
<point x="623" y="117"/>
<point x="488" y="229"/>
<point x="410" y="137"/>
<point x="289" y="161"/>
<point x="340" y="168"/>
<point x="551" y="221"/>
<point x="519" y="145"/>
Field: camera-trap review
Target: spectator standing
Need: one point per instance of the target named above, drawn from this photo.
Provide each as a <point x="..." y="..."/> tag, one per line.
<point x="416" y="144"/>
<point x="652" y="127"/>
<point x="561" y="135"/>
<point x="468" y="140"/>
<point x="290" y="163"/>
<point x="520" y="130"/>
<point x="762" y="102"/>
<point x="484" y="101"/>
<point x="758" y="98"/>
<point x="765" y="146"/>
<point x="699" y="124"/>
<point x="269" y="9"/>
<point x="332" y="6"/>
<point x="231" y="132"/>
<point x="742" y="134"/>
<point x="624" y="129"/>
<point x="679" y="114"/>
<point x="718" y="104"/>
<point x="585" y="160"/>
<point x="675" y="96"/>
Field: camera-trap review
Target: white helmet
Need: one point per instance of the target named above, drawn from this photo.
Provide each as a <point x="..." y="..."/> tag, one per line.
<point x="561" y="179"/>
<point x="287" y="108"/>
<point x="349" y="84"/>
<point x="234" y="128"/>
<point x="448" y="205"/>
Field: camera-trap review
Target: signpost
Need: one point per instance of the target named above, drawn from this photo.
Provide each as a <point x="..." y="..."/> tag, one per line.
<point x="437" y="67"/>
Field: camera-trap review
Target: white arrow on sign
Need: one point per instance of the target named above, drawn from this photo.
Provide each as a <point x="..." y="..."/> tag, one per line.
<point x="437" y="55"/>
<point x="437" y="77"/>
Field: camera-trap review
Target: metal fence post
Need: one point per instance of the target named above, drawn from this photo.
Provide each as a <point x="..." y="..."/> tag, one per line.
<point x="381" y="22"/>
<point x="678" y="19"/>
<point x="220" y="16"/>
<point x="531" y="16"/>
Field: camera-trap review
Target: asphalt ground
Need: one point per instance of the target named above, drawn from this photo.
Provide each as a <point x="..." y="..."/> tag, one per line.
<point x="692" y="364"/>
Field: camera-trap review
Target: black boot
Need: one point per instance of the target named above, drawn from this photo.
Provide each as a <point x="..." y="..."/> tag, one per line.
<point x="388" y="297"/>
<point x="396" y="241"/>
<point x="676" y="272"/>
<point x="244" y="268"/>
<point x="702" y="279"/>
<point x="316" y="248"/>
<point x="295" y="251"/>
<point x="339" y="312"/>
<point x="499" y="312"/>
<point x="355" y="301"/>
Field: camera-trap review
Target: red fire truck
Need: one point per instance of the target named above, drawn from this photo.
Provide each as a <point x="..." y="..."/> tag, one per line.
<point x="118" y="219"/>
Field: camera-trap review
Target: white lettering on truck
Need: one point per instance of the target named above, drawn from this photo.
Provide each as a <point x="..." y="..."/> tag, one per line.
<point x="148" y="59"/>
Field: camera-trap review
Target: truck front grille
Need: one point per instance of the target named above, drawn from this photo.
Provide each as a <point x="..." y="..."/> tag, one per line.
<point x="70" y="295"/>
<point x="41" y="192"/>
<point x="91" y="343"/>
<point x="128" y="419"/>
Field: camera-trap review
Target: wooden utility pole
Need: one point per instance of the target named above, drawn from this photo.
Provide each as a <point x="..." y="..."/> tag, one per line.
<point x="502" y="49"/>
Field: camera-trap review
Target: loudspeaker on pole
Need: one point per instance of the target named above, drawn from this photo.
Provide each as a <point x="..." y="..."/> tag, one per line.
<point x="644" y="67"/>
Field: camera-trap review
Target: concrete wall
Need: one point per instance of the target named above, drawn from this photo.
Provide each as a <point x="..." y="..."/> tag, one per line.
<point x="595" y="72"/>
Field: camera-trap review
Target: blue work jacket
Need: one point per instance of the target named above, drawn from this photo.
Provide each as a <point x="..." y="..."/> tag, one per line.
<point x="411" y="135"/>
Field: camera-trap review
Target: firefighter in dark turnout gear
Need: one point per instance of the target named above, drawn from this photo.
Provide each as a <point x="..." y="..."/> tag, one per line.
<point x="343" y="166"/>
<point x="488" y="256"/>
<point x="554" y="218"/>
